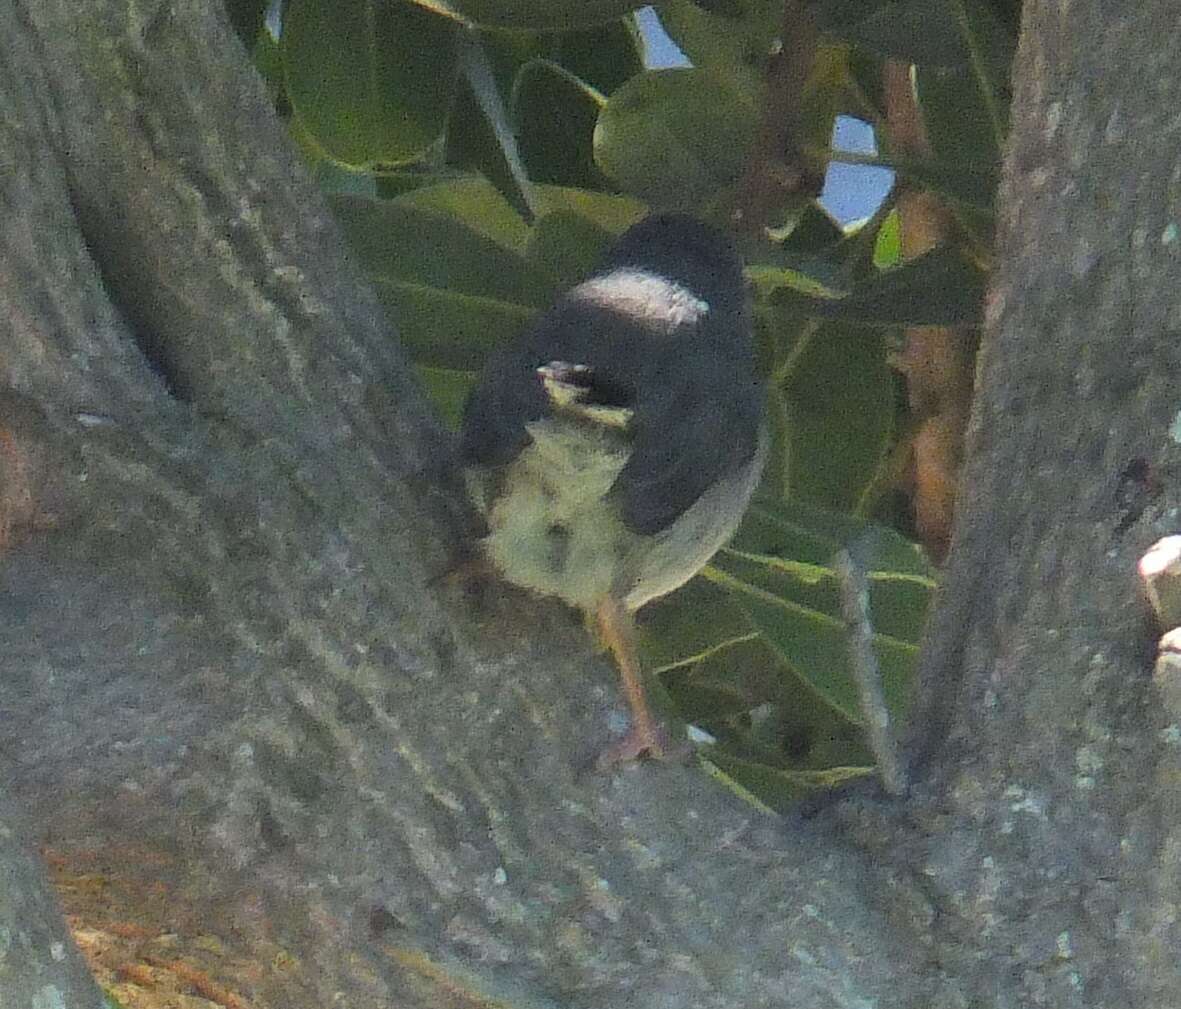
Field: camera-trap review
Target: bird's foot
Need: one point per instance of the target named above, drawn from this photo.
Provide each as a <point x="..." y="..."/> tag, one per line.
<point x="651" y="743"/>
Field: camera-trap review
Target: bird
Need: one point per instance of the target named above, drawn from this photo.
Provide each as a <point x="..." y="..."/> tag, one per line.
<point x="613" y="447"/>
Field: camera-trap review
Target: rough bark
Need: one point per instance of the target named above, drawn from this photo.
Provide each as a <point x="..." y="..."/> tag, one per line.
<point x="39" y="964"/>
<point x="1050" y="761"/>
<point x="232" y="673"/>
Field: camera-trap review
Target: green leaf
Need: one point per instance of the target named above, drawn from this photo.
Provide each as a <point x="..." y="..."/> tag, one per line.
<point x="841" y="404"/>
<point x="712" y="687"/>
<point x="952" y="34"/>
<point x="793" y="601"/>
<point x="555" y="115"/>
<point x="399" y="240"/>
<point x="612" y="213"/>
<point x="991" y="44"/>
<point x="574" y="231"/>
<point x="940" y="288"/>
<point x="914" y="31"/>
<point x="813" y="233"/>
<point x="535" y="15"/>
<point x="809" y="642"/>
<point x="966" y="114"/>
<point x="696" y="625"/>
<point x="477" y="203"/>
<point x="969" y="187"/>
<point x="566" y="246"/>
<point x="756" y="651"/>
<point x="965" y="141"/>
<point x="459" y="271"/>
<point x="605" y="57"/>
<point x="445" y="329"/>
<point x="372" y="84"/>
<point x="813" y="277"/>
<point x="733" y="45"/>
<point x="812" y="534"/>
<point x="433" y="274"/>
<point x="674" y="137"/>
<point x="700" y="647"/>
<point x="966" y="127"/>
<point x="448" y="390"/>
<point x="773" y="789"/>
<point x="887" y="246"/>
<point x="596" y="58"/>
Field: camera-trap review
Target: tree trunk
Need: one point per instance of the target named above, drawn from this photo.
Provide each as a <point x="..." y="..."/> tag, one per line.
<point x="1049" y="760"/>
<point x="240" y="693"/>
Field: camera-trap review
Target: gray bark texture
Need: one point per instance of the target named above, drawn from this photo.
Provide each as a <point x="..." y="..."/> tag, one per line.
<point x="233" y="674"/>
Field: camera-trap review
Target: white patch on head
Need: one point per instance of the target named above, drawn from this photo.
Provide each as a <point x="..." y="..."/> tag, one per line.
<point x="646" y="297"/>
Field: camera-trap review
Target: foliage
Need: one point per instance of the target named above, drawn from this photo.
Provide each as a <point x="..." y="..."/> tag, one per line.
<point x="480" y="154"/>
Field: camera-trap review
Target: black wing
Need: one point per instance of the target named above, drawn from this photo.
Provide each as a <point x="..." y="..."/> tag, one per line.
<point x="695" y="424"/>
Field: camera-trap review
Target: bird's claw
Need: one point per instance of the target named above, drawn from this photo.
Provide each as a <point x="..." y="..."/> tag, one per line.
<point x="654" y="743"/>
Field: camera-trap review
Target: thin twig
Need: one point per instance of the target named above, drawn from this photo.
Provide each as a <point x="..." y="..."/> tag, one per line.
<point x="880" y="730"/>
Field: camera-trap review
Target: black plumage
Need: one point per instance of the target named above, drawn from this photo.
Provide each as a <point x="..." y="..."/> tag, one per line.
<point x="690" y="383"/>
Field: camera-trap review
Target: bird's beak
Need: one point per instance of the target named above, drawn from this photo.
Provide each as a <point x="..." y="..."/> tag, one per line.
<point x="567" y="387"/>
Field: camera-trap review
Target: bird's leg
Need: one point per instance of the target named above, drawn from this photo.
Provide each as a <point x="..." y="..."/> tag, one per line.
<point x="647" y="737"/>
